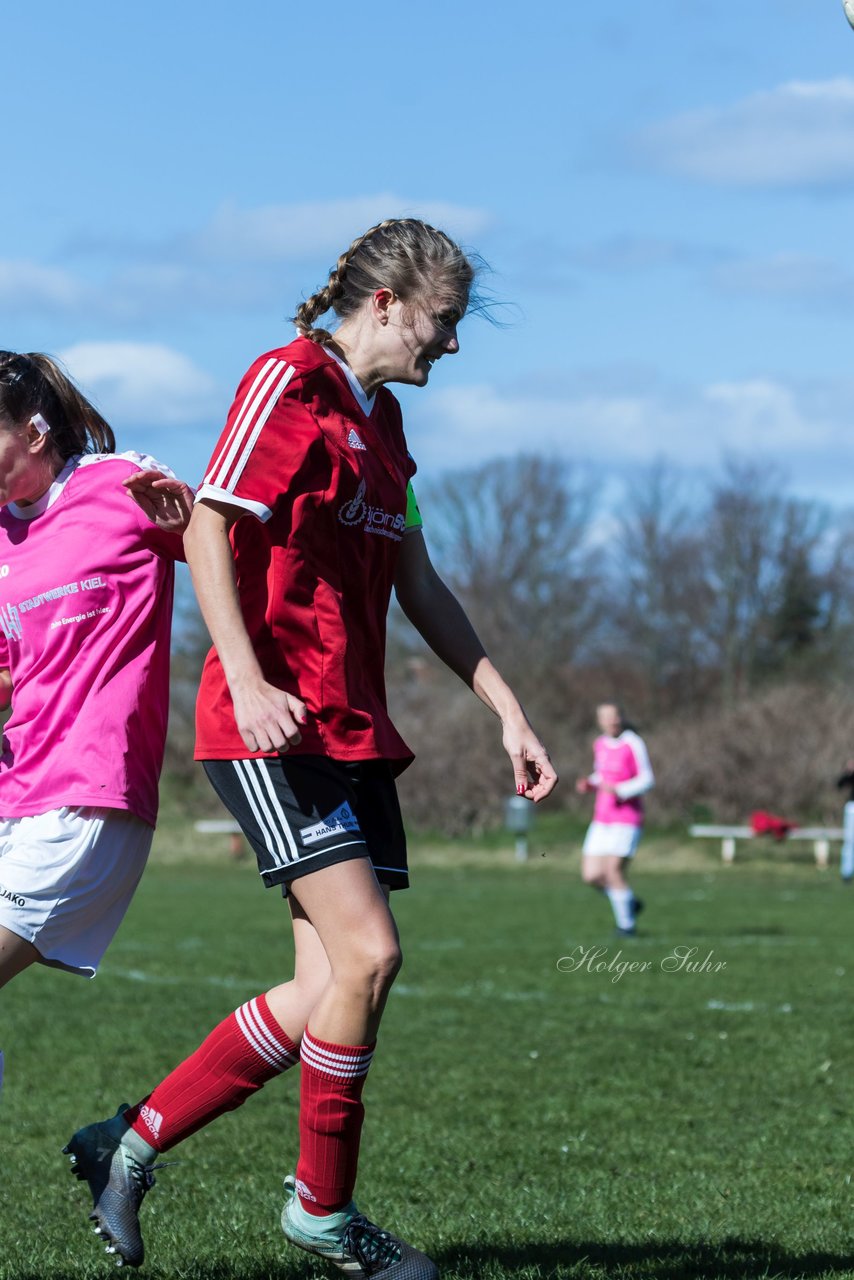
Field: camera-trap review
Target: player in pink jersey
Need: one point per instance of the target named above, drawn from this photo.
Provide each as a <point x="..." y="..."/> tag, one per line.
<point x="85" y="611"/>
<point x="304" y="524"/>
<point x="621" y="775"/>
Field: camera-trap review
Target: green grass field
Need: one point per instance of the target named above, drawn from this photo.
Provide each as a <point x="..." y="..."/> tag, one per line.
<point x="522" y="1120"/>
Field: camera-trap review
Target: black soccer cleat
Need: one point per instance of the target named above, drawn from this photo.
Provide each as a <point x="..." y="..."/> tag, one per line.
<point x="119" y="1181"/>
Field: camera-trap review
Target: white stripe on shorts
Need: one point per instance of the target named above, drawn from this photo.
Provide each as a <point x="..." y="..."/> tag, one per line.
<point x="273" y="836"/>
<point x="264" y="775"/>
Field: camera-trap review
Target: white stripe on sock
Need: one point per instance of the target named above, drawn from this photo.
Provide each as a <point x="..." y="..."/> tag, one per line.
<point x="258" y="1045"/>
<point x="257" y="1031"/>
<point x="344" y="1066"/>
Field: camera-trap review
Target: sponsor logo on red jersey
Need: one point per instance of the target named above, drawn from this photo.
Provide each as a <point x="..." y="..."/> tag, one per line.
<point x="372" y="519"/>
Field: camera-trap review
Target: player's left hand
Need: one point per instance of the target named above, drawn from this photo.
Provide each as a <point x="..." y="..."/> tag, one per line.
<point x="532" y="769"/>
<point x="167" y="501"/>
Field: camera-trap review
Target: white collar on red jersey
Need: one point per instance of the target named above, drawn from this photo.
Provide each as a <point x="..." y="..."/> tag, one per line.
<point x="365" y="404"/>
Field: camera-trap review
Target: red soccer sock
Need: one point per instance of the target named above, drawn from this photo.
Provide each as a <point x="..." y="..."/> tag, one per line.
<point x="330" y="1121"/>
<point x="237" y="1058"/>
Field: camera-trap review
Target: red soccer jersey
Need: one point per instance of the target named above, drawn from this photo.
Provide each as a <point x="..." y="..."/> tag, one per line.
<point x="325" y="473"/>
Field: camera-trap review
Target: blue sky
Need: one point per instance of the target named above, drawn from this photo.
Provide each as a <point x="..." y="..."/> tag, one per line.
<point x="663" y="192"/>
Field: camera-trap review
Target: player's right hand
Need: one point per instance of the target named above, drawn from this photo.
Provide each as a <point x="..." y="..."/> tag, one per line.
<point x="267" y="718"/>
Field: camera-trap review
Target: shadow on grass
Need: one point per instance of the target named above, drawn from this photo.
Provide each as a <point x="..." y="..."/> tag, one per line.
<point x="730" y="1259"/>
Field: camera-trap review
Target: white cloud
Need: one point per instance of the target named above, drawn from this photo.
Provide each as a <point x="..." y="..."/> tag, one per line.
<point x="240" y="260"/>
<point x="297" y="231"/>
<point x="692" y="426"/>
<point x="642" y="253"/>
<point x="794" y="277"/>
<point x="33" y="287"/>
<point x="760" y="415"/>
<point x="798" y="134"/>
<point x="143" y="382"/>
<point x="135" y="291"/>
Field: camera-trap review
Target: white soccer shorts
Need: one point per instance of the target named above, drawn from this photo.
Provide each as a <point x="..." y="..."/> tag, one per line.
<point x="66" y="880"/>
<point x="611" y="839"/>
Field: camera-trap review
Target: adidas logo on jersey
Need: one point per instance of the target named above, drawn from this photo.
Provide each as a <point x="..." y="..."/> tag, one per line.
<point x="353" y="440"/>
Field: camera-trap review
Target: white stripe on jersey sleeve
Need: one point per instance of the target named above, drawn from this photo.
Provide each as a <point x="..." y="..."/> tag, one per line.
<point x="644" y="780"/>
<point x="254" y="413"/>
<point x="231" y="500"/>
<point x="262" y="418"/>
<point x="247" y="401"/>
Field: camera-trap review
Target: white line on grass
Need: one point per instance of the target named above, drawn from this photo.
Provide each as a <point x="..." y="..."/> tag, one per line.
<point x="746" y="1006"/>
<point x="171" y="980"/>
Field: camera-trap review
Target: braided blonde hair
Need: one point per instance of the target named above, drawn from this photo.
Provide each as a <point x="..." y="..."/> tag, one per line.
<point x="405" y="255"/>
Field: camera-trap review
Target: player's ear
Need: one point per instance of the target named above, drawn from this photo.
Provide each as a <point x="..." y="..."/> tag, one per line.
<point x="38" y="434"/>
<point x="381" y="302"/>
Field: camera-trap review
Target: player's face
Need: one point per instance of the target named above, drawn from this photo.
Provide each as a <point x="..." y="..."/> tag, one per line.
<point x="24" y="471"/>
<point x="609" y="720"/>
<point x="425" y="333"/>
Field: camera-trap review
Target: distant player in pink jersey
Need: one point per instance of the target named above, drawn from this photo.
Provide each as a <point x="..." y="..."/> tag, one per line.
<point x="304" y="525"/>
<point x="88" y="540"/>
<point x="621" y="775"/>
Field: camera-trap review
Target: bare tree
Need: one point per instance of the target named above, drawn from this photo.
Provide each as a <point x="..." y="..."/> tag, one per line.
<point x="760" y="549"/>
<point x="513" y="538"/>
<point x="722" y="611"/>
<point x="659" y="601"/>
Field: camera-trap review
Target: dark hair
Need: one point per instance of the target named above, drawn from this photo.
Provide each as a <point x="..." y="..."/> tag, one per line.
<point x="33" y="383"/>
<point x="405" y="255"/>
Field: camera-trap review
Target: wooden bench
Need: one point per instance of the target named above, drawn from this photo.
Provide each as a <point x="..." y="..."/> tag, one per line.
<point x="819" y="836"/>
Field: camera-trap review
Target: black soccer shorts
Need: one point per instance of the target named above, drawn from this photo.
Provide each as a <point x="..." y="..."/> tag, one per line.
<point x="302" y="813"/>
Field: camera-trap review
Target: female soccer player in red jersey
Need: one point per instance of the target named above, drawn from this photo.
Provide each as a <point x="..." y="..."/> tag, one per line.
<point x="304" y="523"/>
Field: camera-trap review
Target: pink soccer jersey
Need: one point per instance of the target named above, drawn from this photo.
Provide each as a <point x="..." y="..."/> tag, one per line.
<point x="86" y="584"/>
<point x="622" y="763"/>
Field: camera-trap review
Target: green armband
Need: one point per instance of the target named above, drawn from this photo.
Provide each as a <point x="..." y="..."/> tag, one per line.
<point x="413" y="515"/>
